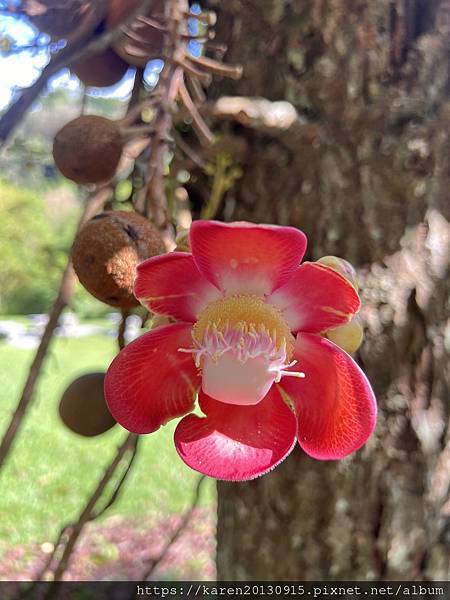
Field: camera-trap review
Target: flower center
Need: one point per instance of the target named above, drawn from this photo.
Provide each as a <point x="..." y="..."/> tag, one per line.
<point x="242" y="345"/>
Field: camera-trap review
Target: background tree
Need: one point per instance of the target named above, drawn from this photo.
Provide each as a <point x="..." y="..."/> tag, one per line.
<point x="364" y="172"/>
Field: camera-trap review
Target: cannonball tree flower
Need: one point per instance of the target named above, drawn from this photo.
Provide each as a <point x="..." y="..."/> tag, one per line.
<point x="247" y="339"/>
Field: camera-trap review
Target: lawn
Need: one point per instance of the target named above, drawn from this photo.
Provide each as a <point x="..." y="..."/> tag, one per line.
<point x="51" y="471"/>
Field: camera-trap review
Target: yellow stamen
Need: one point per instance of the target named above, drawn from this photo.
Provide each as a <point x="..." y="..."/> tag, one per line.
<point x="251" y="314"/>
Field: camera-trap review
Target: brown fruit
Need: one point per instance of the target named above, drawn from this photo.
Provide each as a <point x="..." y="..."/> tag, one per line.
<point x="102" y="69"/>
<point x="107" y="251"/>
<point x="88" y="149"/>
<point x="83" y="408"/>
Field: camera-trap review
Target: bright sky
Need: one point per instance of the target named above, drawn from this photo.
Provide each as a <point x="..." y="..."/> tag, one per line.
<point x="23" y="68"/>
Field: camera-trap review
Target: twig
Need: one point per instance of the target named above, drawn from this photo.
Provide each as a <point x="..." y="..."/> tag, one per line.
<point x="219" y="188"/>
<point x="65" y="293"/>
<point x="196" y="158"/>
<point x="196" y="89"/>
<point x="89" y="514"/>
<point x="204" y="78"/>
<point x="201" y="128"/>
<point x="170" y="78"/>
<point x="136" y="111"/>
<point x="178" y="531"/>
<point x="64" y="533"/>
<point x="122" y="329"/>
<point x="137" y="130"/>
<point x="216" y="67"/>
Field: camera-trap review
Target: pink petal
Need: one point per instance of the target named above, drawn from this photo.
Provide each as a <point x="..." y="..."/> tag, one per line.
<point x="243" y="258"/>
<point x="237" y="443"/>
<point x="316" y="298"/>
<point x="172" y="285"/>
<point x="335" y="404"/>
<point x="150" y="381"/>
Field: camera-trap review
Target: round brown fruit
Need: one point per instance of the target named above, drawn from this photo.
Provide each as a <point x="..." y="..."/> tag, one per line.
<point x="102" y="69"/>
<point x="107" y="251"/>
<point x="83" y="408"/>
<point x="88" y="149"/>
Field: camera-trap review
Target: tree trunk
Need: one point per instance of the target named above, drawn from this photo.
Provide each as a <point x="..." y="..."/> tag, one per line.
<point x="368" y="181"/>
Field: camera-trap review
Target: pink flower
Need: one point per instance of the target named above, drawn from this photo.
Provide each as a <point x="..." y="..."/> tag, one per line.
<point x="248" y="340"/>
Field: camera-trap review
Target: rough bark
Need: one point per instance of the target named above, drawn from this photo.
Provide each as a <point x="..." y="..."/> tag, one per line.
<point x="370" y="186"/>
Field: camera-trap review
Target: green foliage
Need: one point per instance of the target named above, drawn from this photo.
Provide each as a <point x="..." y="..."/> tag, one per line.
<point x="88" y="307"/>
<point x="33" y="247"/>
<point x="52" y="471"/>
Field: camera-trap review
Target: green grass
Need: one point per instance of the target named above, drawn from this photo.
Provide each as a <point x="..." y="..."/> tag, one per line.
<point x="51" y="471"/>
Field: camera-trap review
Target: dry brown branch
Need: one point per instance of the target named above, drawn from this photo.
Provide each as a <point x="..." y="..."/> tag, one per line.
<point x="63" y="536"/>
<point x="133" y="115"/>
<point x="204" y="78"/>
<point x="177" y="532"/>
<point x="216" y="67"/>
<point x="64" y="296"/>
<point x="202" y="130"/>
<point x="73" y="531"/>
<point x="196" y="89"/>
<point x="122" y="329"/>
<point x="170" y="78"/>
<point x="186" y="149"/>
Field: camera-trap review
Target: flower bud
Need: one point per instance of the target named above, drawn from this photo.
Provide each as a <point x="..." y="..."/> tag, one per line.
<point x="341" y="266"/>
<point x="349" y="337"/>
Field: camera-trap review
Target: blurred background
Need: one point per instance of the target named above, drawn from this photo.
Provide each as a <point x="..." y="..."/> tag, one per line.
<point x="39" y="212"/>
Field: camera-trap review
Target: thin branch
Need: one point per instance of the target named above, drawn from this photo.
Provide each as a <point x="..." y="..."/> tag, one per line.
<point x="64" y="533"/>
<point x="78" y="39"/>
<point x="204" y="78"/>
<point x="64" y="296"/>
<point x="138" y="84"/>
<point x="196" y="89"/>
<point x="154" y="563"/>
<point x="136" y="131"/>
<point x="81" y="44"/>
<point x="195" y="157"/>
<point x="122" y="329"/>
<point x="202" y="130"/>
<point x="170" y="78"/>
<point x="216" y="67"/>
<point x="137" y="110"/>
<point x="218" y="190"/>
<point x="129" y="445"/>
